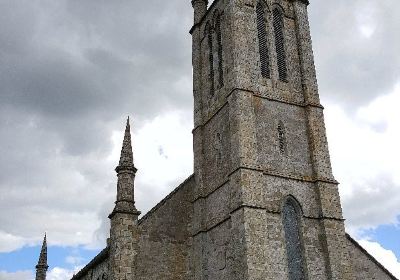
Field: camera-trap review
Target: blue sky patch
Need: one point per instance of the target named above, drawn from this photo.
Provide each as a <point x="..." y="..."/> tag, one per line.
<point x="27" y="258"/>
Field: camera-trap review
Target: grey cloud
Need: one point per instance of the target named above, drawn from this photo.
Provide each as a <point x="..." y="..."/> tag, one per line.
<point x="352" y="69"/>
<point x="72" y="70"/>
<point x="70" y="73"/>
<point x="372" y="203"/>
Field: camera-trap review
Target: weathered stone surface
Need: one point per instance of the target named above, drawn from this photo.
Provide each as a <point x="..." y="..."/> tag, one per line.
<point x="364" y="265"/>
<point x="259" y="143"/>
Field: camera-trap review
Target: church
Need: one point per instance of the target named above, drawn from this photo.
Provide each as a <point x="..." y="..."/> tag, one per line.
<point x="263" y="202"/>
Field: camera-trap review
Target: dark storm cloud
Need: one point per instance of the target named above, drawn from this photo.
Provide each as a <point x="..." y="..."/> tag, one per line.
<point x="97" y="58"/>
<point x="70" y="73"/>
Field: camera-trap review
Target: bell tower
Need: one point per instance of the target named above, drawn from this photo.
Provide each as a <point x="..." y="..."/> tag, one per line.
<point x="266" y="202"/>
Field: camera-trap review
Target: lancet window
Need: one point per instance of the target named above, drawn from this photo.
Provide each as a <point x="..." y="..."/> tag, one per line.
<point x="279" y="43"/>
<point x="291" y="224"/>
<point x="211" y="58"/>
<point x="219" y="46"/>
<point x="262" y="41"/>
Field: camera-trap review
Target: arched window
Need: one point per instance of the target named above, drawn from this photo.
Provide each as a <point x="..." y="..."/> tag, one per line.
<point x="262" y="41"/>
<point x="279" y="43"/>
<point x="282" y="137"/>
<point x="211" y="57"/>
<point x="291" y="225"/>
<point x="219" y="44"/>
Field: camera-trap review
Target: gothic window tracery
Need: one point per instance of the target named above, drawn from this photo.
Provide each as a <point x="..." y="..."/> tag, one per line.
<point x="262" y="41"/>
<point x="279" y="42"/>
<point x="291" y="224"/>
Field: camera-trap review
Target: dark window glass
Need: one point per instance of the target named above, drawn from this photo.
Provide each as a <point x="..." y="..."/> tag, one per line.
<point x="280" y="44"/>
<point x="293" y="242"/>
<point x="211" y="59"/>
<point x="262" y="41"/>
<point x="220" y="61"/>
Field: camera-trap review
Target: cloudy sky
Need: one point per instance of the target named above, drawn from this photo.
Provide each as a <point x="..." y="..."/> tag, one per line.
<point x="71" y="71"/>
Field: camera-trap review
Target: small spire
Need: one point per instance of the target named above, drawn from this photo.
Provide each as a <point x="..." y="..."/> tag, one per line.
<point x="42" y="263"/>
<point x="126" y="159"/>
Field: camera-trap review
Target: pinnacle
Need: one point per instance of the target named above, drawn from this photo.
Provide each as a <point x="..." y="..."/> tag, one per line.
<point x="126" y="158"/>
<point x="43" y="254"/>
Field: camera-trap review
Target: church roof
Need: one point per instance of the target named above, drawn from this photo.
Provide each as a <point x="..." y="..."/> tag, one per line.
<point x="355" y="243"/>
<point x="102" y="256"/>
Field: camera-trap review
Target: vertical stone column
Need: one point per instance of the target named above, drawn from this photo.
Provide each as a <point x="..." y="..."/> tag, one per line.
<point x="309" y="77"/>
<point x="243" y="130"/>
<point x="332" y="224"/>
<point x="124" y="233"/>
<point x="199" y="9"/>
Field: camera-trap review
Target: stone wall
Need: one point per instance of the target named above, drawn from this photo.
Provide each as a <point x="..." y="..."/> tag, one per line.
<point x="364" y="265"/>
<point x="165" y="241"/>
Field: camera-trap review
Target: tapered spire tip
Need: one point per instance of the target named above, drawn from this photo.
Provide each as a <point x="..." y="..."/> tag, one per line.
<point x="42" y="263"/>
<point x="126" y="158"/>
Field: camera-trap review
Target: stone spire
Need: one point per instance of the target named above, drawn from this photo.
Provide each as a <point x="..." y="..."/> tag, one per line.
<point x="126" y="158"/>
<point x="42" y="266"/>
<point x="126" y="171"/>
<point x="124" y="218"/>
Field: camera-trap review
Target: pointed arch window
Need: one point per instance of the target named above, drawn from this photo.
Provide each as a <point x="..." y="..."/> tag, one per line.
<point x="291" y="225"/>
<point x="219" y="45"/>
<point x="279" y="43"/>
<point x="262" y="41"/>
<point x="211" y="57"/>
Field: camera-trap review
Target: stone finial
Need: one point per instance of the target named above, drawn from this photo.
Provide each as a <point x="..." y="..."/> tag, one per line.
<point x="126" y="158"/>
<point x="41" y="267"/>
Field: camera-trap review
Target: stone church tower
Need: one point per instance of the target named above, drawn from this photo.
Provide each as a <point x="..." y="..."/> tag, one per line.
<point x="262" y="202"/>
<point x="260" y="147"/>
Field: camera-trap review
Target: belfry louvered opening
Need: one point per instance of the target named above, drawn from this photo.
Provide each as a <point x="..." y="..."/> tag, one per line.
<point x="280" y="44"/>
<point x="211" y="58"/>
<point x="219" y="44"/>
<point x="262" y="41"/>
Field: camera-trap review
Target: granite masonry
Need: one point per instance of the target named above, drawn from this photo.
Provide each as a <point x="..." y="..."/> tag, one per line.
<point x="262" y="202"/>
